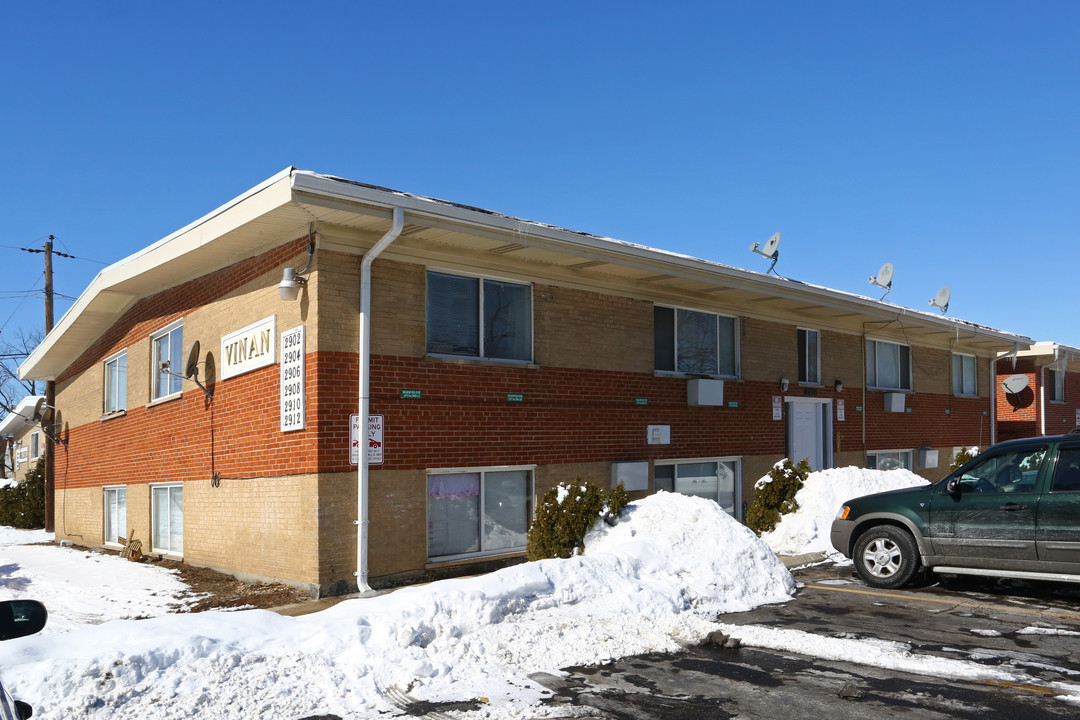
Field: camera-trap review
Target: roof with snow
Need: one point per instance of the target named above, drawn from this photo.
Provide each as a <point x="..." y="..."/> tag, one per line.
<point x="349" y="215"/>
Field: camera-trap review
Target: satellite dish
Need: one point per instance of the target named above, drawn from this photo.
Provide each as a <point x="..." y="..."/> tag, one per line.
<point x="883" y="279"/>
<point x="770" y="250"/>
<point x="941" y="300"/>
<point x="191" y="367"/>
<point x="1015" y="383"/>
<point x="39" y="410"/>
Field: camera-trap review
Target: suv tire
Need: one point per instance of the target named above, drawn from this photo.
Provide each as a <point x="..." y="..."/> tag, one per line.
<point x="886" y="557"/>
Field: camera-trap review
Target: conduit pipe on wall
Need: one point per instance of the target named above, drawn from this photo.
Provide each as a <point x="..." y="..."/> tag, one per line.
<point x="365" y="396"/>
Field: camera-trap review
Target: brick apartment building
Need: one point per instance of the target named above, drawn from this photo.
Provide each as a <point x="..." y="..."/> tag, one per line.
<point x="21" y="439"/>
<point x="503" y="356"/>
<point x="1044" y="396"/>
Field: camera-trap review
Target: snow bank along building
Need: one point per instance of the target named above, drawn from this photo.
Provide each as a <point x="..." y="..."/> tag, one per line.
<point x="493" y="358"/>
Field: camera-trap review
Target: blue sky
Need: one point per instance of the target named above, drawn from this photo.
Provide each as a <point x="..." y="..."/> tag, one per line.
<point x="939" y="136"/>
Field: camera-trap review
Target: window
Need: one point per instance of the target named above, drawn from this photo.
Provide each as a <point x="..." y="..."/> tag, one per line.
<point x="35" y="446"/>
<point x="1067" y="473"/>
<point x="963" y="375"/>
<point x="809" y="357"/>
<point x="168" y="347"/>
<point x="478" y="511"/>
<point x="890" y="460"/>
<point x="116" y="383"/>
<point x="888" y="365"/>
<point x="473" y="317"/>
<point x="115" y="514"/>
<point x="716" y="480"/>
<point x="1008" y="472"/>
<point x="698" y="343"/>
<point x="1055" y="385"/>
<point x="167" y="517"/>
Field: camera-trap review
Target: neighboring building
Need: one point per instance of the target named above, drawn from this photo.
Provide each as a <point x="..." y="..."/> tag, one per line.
<point x="1046" y="400"/>
<point x="504" y="356"/>
<point x="23" y="439"/>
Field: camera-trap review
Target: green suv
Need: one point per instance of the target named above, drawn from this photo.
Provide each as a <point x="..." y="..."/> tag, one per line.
<point x="1013" y="511"/>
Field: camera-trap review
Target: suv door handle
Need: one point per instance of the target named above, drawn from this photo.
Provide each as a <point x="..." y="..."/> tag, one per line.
<point x="1011" y="506"/>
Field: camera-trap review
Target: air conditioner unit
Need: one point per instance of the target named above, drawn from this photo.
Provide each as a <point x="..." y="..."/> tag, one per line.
<point x="894" y="402"/>
<point x="701" y="392"/>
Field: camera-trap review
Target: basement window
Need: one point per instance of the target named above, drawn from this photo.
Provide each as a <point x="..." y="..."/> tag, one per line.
<point x="477" y="512"/>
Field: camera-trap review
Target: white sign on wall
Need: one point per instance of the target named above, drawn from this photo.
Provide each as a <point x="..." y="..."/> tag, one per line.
<point x="293" y="361"/>
<point x="374" y="439"/>
<point x="249" y="348"/>
<point x="840" y="411"/>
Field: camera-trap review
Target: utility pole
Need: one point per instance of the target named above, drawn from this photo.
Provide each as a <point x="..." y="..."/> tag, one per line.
<point x="50" y="401"/>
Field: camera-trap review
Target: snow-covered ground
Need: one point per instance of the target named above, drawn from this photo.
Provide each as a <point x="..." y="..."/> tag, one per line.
<point x="106" y="587"/>
<point x="823" y="493"/>
<point x="658" y="580"/>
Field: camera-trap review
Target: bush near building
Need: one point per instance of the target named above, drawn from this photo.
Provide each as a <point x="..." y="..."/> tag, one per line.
<point x="22" y="504"/>
<point x="774" y="495"/>
<point x="566" y="513"/>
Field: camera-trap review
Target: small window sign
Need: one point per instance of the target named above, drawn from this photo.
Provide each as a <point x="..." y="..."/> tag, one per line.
<point x="733" y="403"/>
<point x="515" y="397"/>
<point x="641" y="401"/>
<point x="407" y="394"/>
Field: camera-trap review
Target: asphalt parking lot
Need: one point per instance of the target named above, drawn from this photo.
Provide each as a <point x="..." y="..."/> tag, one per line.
<point x="1026" y="636"/>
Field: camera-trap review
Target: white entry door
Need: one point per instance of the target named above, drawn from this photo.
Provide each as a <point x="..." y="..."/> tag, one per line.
<point x="810" y="432"/>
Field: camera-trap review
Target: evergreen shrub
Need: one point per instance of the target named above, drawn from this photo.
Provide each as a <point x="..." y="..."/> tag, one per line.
<point x="774" y="495"/>
<point x="22" y="504"/>
<point x="566" y="513"/>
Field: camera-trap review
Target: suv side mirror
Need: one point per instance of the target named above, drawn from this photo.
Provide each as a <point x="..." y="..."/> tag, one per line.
<point x="19" y="618"/>
<point x="953" y="486"/>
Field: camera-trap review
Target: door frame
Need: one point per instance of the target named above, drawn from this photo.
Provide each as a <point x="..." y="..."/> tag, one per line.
<point x="824" y="416"/>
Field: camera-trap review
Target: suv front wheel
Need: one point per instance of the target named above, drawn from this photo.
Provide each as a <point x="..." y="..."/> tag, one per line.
<point x="886" y="557"/>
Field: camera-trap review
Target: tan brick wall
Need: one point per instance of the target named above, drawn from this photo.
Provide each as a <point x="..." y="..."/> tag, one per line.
<point x="592" y="331"/>
<point x="257" y="528"/>
<point x="931" y="370"/>
<point x="80" y="516"/>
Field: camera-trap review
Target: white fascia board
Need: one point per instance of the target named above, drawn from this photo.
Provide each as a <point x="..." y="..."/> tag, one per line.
<point x="418" y="205"/>
<point x="106" y="293"/>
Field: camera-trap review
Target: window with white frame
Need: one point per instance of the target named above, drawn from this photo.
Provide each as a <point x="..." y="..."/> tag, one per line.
<point x="478" y="317"/>
<point x="478" y="511"/>
<point x="890" y="459"/>
<point x="167" y="518"/>
<point x="888" y="365"/>
<point x="716" y="479"/>
<point x="964" y="378"/>
<point x="167" y="347"/>
<point x="1055" y="385"/>
<point x="116" y="383"/>
<point x="698" y="343"/>
<point x="809" y="357"/>
<point x="115" y="514"/>
<point x="35" y="446"/>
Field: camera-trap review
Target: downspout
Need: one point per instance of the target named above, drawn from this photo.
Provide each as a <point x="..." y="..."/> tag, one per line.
<point x="365" y="397"/>
<point x="1042" y="401"/>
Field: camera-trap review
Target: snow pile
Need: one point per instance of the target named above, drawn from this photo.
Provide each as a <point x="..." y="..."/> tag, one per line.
<point x="651" y="582"/>
<point x="823" y="493"/>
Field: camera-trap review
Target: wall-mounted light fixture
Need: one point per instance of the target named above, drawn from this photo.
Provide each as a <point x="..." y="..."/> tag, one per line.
<point x="291" y="278"/>
<point x="839" y="386"/>
<point x="784" y="384"/>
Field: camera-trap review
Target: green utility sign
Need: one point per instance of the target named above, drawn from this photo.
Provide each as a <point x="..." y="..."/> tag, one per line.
<point x="412" y="394"/>
<point x="515" y="397"/>
<point x="641" y="401"/>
